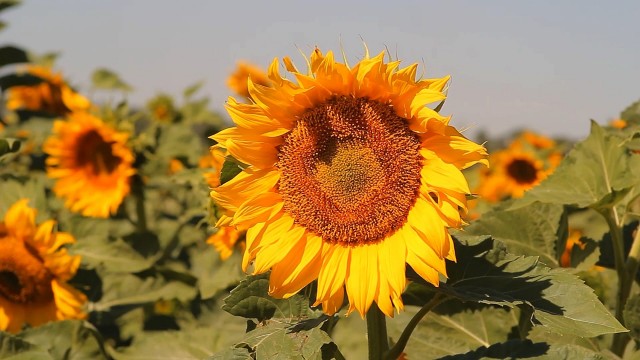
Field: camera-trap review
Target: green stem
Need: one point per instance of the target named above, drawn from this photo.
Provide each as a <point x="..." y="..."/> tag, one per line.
<point x="376" y="333"/>
<point x="137" y="189"/>
<point x="397" y="349"/>
<point x="624" y="280"/>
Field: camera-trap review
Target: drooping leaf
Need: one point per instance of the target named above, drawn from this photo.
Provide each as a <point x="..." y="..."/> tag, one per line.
<point x="69" y="339"/>
<point x="487" y="273"/>
<point x="530" y="230"/>
<point x="596" y="173"/>
<point x="128" y="289"/>
<point x="12" y="55"/>
<point x="250" y="299"/>
<point x="108" y="80"/>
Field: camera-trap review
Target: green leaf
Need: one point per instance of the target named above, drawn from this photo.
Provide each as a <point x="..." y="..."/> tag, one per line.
<point x="15" y="348"/>
<point x="250" y="299"/>
<point x="230" y="169"/>
<point x="8" y="147"/>
<point x="560" y="301"/>
<point x="632" y="316"/>
<point x="106" y="79"/>
<point x="459" y="332"/>
<point x="69" y="339"/>
<point x="535" y="233"/>
<point x="192" y="89"/>
<point x="5" y="4"/>
<point x="11" y="80"/>
<point x="521" y="349"/>
<point x="197" y="343"/>
<point x="233" y="354"/>
<point x="123" y="290"/>
<point x="278" y="340"/>
<point x="596" y="173"/>
<point x="213" y="273"/>
<point x="114" y="256"/>
<point x="12" y="55"/>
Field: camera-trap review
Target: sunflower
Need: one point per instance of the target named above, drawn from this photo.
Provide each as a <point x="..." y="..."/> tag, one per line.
<point x="52" y="95"/>
<point x="523" y="164"/>
<point x="225" y="241"/>
<point x="238" y="80"/>
<point x="572" y="239"/>
<point x="92" y="164"/>
<point x="34" y="270"/>
<point x="349" y="177"/>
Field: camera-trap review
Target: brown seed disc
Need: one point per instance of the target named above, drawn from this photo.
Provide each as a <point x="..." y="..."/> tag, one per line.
<point x="522" y="171"/>
<point x="23" y="277"/>
<point x="350" y="170"/>
<point x="96" y="154"/>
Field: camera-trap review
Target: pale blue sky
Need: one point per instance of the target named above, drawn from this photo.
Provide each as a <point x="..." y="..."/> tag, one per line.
<point x="546" y="65"/>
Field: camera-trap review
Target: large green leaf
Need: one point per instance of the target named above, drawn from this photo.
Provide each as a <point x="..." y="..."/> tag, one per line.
<point x="129" y="289"/>
<point x="12" y="55"/>
<point x="196" y="344"/>
<point x="440" y="335"/>
<point x="486" y="273"/>
<point x="278" y="340"/>
<point x="113" y="256"/>
<point x="70" y="339"/>
<point x="530" y="230"/>
<point x="250" y="299"/>
<point x="596" y="173"/>
<point x="521" y="349"/>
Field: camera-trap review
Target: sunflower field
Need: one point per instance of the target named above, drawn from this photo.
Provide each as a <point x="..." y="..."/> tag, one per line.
<point x="334" y="211"/>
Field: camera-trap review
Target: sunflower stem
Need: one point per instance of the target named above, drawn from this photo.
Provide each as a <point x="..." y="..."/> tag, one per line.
<point x="137" y="189"/>
<point x="624" y="285"/>
<point x="398" y="348"/>
<point x="377" y="333"/>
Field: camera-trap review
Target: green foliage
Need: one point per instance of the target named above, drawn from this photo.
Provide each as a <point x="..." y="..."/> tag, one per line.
<point x="7" y="147"/>
<point x="108" y="80"/>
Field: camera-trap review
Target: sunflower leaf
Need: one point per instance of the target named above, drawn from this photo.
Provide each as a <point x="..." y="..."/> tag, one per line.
<point x="597" y="173"/>
<point x="106" y="79"/>
<point x="536" y="233"/>
<point x="14" y="348"/>
<point x="129" y="289"/>
<point x="520" y="349"/>
<point x="230" y="169"/>
<point x="487" y="273"/>
<point x="7" y="147"/>
<point x="11" y="80"/>
<point x="214" y="274"/>
<point x="251" y="300"/>
<point x="12" y="55"/>
<point x="69" y="339"/>
<point x="114" y="256"/>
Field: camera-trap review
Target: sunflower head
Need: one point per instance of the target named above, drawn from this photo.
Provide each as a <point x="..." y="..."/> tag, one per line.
<point x="34" y="269"/>
<point x="238" y="80"/>
<point x="91" y="164"/>
<point x="162" y="108"/>
<point x="523" y="164"/>
<point x="618" y="124"/>
<point x="349" y="178"/>
<point x="52" y="95"/>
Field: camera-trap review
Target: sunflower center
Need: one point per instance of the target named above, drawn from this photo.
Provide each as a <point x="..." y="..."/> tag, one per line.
<point x="350" y="170"/>
<point x="96" y="154"/>
<point x="23" y="276"/>
<point x="522" y="171"/>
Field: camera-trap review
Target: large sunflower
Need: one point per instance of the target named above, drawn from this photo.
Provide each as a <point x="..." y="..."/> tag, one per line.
<point x="91" y="162"/>
<point x="34" y="270"/>
<point x="52" y="95"/>
<point x="349" y="178"/>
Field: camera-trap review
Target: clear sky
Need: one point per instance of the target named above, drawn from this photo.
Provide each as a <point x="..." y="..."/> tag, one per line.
<point x="546" y="65"/>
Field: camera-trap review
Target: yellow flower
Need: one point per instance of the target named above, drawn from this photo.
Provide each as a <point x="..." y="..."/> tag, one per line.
<point x="91" y="163"/>
<point x="34" y="270"/>
<point x="349" y="178"/>
<point x="618" y="124"/>
<point x="572" y="239"/>
<point x="52" y="96"/>
<point x="225" y="240"/>
<point x="214" y="159"/>
<point x="525" y="162"/>
<point x="238" y="80"/>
